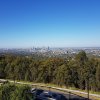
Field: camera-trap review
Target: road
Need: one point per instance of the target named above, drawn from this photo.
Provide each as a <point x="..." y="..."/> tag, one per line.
<point x="71" y="96"/>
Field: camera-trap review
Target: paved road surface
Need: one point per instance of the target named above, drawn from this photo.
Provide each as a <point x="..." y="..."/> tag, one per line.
<point x="71" y="96"/>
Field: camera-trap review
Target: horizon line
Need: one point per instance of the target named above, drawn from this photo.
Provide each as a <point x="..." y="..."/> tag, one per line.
<point x="49" y="47"/>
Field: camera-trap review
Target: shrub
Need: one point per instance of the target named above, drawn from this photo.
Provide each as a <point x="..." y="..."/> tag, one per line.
<point x="15" y="92"/>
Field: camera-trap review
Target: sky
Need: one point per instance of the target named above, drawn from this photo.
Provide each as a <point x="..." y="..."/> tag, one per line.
<point x="53" y="23"/>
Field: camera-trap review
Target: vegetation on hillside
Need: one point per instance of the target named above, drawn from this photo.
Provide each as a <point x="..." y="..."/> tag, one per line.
<point x="72" y="72"/>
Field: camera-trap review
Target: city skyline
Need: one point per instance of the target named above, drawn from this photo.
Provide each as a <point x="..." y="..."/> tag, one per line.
<point x="53" y="23"/>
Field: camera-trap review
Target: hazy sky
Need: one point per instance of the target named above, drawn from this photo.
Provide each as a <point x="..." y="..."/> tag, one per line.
<point x="54" y="23"/>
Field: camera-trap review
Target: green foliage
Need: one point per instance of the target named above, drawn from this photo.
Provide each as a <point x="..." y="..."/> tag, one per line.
<point x="98" y="77"/>
<point x="76" y="72"/>
<point x="15" y="92"/>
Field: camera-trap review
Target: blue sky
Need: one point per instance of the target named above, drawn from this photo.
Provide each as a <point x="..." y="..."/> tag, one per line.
<point x="54" y="23"/>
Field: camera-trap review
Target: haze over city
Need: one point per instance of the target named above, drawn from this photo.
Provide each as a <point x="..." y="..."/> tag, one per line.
<point x="54" y="23"/>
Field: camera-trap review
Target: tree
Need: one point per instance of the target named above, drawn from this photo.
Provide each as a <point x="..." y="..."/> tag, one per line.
<point x="81" y="60"/>
<point x="98" y="77"/>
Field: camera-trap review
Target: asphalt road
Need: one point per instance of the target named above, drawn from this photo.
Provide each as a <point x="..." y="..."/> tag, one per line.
<point x="70" y="96"/>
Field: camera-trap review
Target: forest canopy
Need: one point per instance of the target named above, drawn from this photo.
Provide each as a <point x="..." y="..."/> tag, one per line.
<point x="71" y="72"/>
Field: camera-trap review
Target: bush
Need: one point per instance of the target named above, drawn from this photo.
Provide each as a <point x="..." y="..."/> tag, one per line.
<point x="15" y="92"/>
